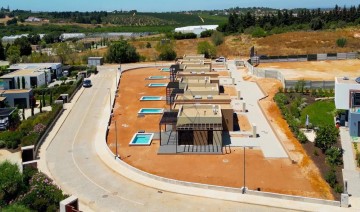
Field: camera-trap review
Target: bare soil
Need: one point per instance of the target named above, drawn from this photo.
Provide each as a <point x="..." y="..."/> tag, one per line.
<point x="319" y="70"/>
<point x="273" y="175"/>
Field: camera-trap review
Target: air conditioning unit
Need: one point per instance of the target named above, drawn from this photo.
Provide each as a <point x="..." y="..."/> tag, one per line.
<point x="197" y="97"/>
<point x="209" y="97"/>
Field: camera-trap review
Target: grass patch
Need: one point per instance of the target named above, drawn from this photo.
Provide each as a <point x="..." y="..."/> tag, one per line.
<point x="320" y="113"/>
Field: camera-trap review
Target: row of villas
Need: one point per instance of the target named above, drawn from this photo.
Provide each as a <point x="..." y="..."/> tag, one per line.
<point x="199" y="112"/>
<point x="16" y="86"/>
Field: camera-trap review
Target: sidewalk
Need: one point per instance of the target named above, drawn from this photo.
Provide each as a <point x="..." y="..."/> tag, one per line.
<point x="251" y="93"/>
<point x="350" y="173"/>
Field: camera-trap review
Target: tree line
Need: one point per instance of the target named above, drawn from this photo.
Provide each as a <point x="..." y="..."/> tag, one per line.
<point x="303" y="18"/>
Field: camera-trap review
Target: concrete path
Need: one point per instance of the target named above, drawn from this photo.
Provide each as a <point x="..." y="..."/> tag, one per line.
<point x="251" y="94"/>
<point x="350" y="173"/>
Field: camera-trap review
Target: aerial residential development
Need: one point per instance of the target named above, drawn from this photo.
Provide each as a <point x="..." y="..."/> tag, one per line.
<point x="240" y="106"/>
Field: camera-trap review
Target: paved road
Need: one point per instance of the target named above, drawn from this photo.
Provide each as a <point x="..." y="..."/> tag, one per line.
<point x="73" y="163"/>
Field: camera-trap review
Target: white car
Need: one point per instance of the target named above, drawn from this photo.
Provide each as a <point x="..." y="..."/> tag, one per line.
<point x="220" y="59"/>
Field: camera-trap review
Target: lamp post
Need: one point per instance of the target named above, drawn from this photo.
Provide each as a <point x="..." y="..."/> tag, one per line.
<point x="116" y="142"/>
<point x="109" y="99"/>
<point x="244" y="188"/>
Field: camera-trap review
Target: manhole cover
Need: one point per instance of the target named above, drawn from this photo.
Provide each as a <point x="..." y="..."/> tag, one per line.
<point x="225" y="160"/>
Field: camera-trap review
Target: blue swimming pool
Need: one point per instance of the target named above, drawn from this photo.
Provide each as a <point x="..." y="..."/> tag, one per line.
<point x="151" y="111"/>
<point x="165" y="69"/>
<point x="141" y="139"/>
<point x="157" y="85"/>
<point x="150" y="98"/>
<point x="157" y="77"/>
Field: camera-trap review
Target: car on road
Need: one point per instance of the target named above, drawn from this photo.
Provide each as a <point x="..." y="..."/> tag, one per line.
<point x="220" y="59"/>
<point x="87" y="83"/>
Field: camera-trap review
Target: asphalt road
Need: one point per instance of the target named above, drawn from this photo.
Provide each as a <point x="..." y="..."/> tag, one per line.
<point x="76" y="168"/>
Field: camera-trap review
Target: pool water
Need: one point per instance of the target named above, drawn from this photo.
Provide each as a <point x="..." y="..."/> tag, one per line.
<point x="151" y="110"/>
<point x="165" y="69"/>
<point x="157" y="85"/>
<point x="141" y="139"/>
<point x="151" y="98"/>
<point x="157" y="77"/>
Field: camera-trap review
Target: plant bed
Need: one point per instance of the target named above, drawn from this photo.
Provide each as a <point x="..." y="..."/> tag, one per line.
<point x="326" y="151"/>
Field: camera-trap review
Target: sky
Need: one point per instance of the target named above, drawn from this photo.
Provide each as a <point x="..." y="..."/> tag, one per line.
<point x="165" y="5"/>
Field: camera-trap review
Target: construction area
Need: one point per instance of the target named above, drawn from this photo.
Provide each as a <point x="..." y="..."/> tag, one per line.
<point x="270" y="161"/>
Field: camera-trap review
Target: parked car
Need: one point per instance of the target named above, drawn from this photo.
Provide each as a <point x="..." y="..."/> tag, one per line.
<point x="220" y="59"/>
<point x="87" y="83"/>
<point x="4" y="123"/>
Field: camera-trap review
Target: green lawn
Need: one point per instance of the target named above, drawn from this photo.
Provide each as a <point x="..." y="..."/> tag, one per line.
<point x="320" y="113"/>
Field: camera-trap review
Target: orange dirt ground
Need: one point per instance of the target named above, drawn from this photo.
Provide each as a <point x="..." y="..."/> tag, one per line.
<point x="296" y="151"/>
<point x="320" y="70"/>
<point x="273" y="175"/>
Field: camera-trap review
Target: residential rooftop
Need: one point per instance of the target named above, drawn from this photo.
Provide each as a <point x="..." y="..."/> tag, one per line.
<point x="346" y="80"/>
<point x="24" y="72"/>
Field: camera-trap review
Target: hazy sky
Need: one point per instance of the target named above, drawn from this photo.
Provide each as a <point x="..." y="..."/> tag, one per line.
<point x="164" y="5"/>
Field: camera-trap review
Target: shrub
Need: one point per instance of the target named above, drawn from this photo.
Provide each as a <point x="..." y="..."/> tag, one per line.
<point x="181" y="36"/>
<point x="316" y="152"/>
<point x="316" y="23"/>
<point x="258" y="32"/>
<point x="206" y="33"/>
<point x="341" y="42"/>
<point x="2" y="144"/>
<point x="16" y="208"/>
<point x="217" y="38"/>
<point x="330" y="177"/>
<point x="43" y="195"/>
<point x="338" y="189"/>
<point x="148" y="45"/>
<point x="358" y="159"/>
<point x="207" y="49"/>
<point x="302" y="138"/>
<point x="334" y="156"/>
<point x="326" y="136"/>
<point x="70" y="83"/>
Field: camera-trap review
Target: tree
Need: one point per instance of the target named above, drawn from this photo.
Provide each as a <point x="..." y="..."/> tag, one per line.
<point x="166" y="51"/>
<point x="206" y="33"/>
<point x="217" y="38"/>
<point x="316" y="24"/>
<point x="18" y="82"/>
<point x="207" y="49"/>
<point x="13" y="54"/>
<point x="11" y="181"/>
<point x="326" y="136"/>
<point x="24" y="46"/>
<point x="63" y="51"/>
<point x="23" y="82"/>
<point x="148" y="45"/>
<point x="2" y="51"/>
<point x="34" y="39"/>
<point x="122" y="52"/>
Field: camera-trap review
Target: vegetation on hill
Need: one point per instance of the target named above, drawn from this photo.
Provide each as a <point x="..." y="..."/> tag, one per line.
<point x="289" y="20"/>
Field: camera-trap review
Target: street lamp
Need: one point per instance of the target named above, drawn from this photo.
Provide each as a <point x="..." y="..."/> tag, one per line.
<point x="110" y="100"/>
<point x="116" y="143"/>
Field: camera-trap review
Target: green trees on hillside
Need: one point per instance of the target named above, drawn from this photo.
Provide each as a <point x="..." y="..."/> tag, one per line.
<point x="13" y="54"/>
<point x="207" y="49"/>
<point x="2" y="51"/>
<point x="166" y="51"/>
<point x="122" y="52"/>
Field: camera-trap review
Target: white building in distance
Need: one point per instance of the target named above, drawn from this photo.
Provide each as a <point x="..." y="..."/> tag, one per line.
<point x="196" y="29"/>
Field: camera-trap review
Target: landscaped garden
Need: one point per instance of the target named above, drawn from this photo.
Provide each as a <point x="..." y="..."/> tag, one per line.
<point x="29" y="190"/>
<point x="298" y="103"/>
<point x="29" y="131"/>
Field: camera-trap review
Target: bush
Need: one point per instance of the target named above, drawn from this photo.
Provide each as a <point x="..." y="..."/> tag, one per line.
<point x="16" y="208"/>
<point x="358" y="159"/>
<point x="206" y="33"/>
<point x="338" y="189"/>
<point x="182" y="36"/>
<point x="217" y="38"/>
<point x="258" y="32"/>
<point x="341" y="42"/>
<point x="207" y="49"/>
<point x="334" y="156"/>
<point x="122" y="51"/>
<point x="30" y="139"/>
<point x="11" y="139"/>
<point x="316" y="24"/>
<point x="326" y="136"/>
<point x="70" y="83"/>
<point x="43" y="195"/>
<point x="302" y="138"/>
<point x="330" y="177"/>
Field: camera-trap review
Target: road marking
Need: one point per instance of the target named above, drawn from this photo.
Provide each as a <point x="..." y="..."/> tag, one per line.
<point x="77" y="166"/>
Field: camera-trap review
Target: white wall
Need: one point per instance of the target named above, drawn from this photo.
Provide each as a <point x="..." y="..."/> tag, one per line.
<point x="342" y="94"/>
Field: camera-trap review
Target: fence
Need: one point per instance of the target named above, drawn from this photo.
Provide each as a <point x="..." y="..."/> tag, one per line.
<point x="310" y="84"/>
<point x="308" y="57"/>
<point x="288" y="83"/>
